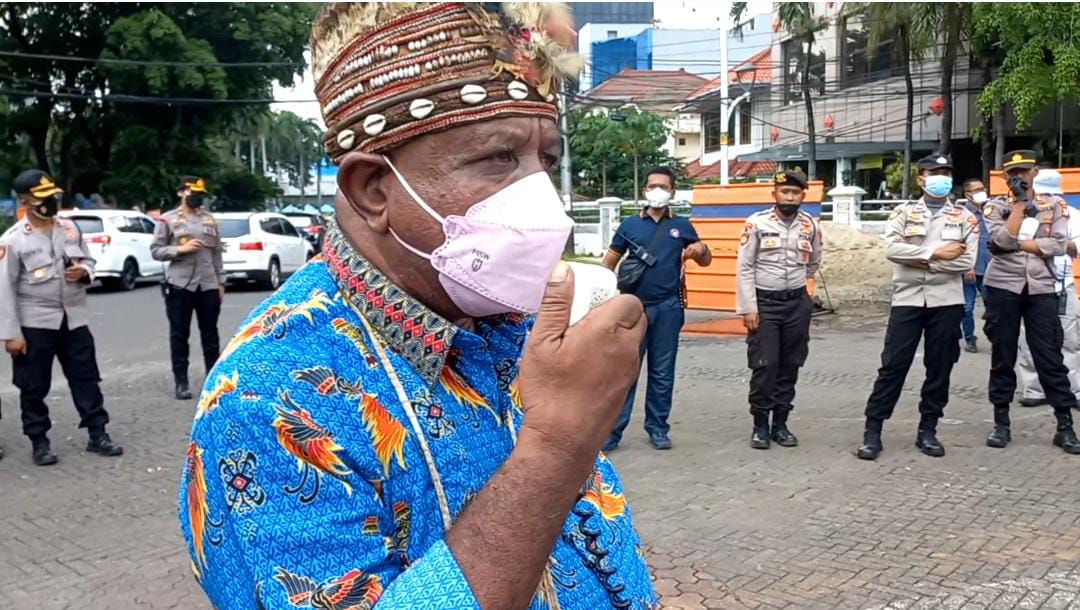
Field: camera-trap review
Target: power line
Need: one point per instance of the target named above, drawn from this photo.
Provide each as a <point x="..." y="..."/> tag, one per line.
<point x="163" y="63"/>
<point x="148" y="99"/>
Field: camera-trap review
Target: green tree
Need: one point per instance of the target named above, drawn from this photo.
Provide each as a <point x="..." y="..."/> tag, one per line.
<point x="596" y="140"/>
<point x="1040" y="63"/>
<point x="238" y="189"/>
<point x="610" y="151"/>
<point x="293" y="144"/>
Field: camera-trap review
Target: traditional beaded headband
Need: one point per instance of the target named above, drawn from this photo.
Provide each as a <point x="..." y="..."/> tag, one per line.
<point x="388" y="72"/>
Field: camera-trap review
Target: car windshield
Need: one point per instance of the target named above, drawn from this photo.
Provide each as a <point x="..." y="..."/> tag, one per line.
<point x="300" y="221"/>
<point x="234" y="227"/>
<point x="89" y="224"/>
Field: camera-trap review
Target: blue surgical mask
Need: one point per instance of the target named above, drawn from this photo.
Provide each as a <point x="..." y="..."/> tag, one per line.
<point x="938" y="186"/>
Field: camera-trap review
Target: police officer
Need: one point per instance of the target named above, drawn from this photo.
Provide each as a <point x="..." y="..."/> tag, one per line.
<point x="932" y="242"/>
<point x="1025" y="236"/>
<point x="780" y="249"/>
<point x="1047" y="186"/>
<point x="44" y="270"/>
<point x="188" y="238"/>
<point x="669" y="240"/>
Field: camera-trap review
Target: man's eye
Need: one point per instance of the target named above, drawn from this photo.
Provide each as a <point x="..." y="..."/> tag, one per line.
<point x="548" y="161"/>
<point x="503" y="156"/>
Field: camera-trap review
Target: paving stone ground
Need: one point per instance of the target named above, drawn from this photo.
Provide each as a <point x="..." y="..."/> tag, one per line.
<point x="726" y="526"/>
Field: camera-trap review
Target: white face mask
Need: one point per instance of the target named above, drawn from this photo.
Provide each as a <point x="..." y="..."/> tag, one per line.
<point x="979" y="198"/>
<point x="657" y="197"/>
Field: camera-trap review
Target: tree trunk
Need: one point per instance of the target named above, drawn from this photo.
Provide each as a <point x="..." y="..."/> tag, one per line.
<point x="948" y="63"/>
<point x="251" y="154"/>
<point x="811" y="131"/>
<point x="236" y="150"/>
<point x="603" y="178"/>
<point x="637" y="189"/>
<point x="986" y="138"/>
<point x="905" y="186"/>
<point x="999" y="136"/>
<point x="262" y="147"/>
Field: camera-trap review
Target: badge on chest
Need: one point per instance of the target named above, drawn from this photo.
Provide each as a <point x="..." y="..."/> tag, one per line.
<point x="915" y="230"/>
<point x="952" y="232"/>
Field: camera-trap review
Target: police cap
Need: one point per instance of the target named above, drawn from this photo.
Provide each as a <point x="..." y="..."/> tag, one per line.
<point x="1020" y="159"/>
<point x="196" y="184"/>
<point x="790" y="177"/>
<point x="934" y="162"/>
<point x="36" y="183"/>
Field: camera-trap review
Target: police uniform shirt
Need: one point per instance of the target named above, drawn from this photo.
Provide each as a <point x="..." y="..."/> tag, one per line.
<point x="663" y="280"/>
<point x="1013" y="269"/>
<point x="198" y="270"/>
<point x="912" y="234"/>
<point x="775" y="254"/>
<point x="34" y="292"/>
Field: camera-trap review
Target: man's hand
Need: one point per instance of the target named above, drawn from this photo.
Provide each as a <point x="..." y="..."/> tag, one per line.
<point x="949" y="251"/>
<point x="75" y="273"/>
<point x="1070" y="248"/>
<point x="574" y="380"/>
<point x="970" y="276"/>
<point x="15" y="347"/>
<point x="221" y="292"/>
<point x="192" y="246"/>
<point x="751" y="321"/>
<point x="695" y="251"/>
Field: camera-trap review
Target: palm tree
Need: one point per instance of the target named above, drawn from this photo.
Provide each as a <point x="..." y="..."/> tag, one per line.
<point x="955" y="18"/>
<point x="800" y="20"/>
<point x="913" y="27"/>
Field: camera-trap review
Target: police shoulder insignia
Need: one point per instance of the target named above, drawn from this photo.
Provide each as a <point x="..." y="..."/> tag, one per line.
<point x="972" y="220"/>
<point x="745" y="237"/>
<point x="1064" y="208"/>
<point x="988" y="209"/>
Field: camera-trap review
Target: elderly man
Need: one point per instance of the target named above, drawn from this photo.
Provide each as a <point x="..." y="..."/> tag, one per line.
<point x="366" y="437"/>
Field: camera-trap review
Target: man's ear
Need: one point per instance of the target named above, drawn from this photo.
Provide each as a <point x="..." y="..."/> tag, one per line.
<point x="360" y="182"/>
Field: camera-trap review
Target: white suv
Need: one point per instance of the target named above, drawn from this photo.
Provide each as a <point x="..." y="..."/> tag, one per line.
<point x="261" y="246"/>
<point x="119" y="241"/>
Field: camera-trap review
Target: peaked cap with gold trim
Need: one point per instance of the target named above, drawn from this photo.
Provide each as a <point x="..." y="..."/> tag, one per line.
<point x="387" y="72"/>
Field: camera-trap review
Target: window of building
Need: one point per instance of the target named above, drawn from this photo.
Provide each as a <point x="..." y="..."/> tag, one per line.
<point x="713" y="130"/>
<point x="794" y="55"/>
<point x="746" y="127"/>
<point x="682" y="141"/>
<point x="858" y="66"/>
<point x="612" y="34"/>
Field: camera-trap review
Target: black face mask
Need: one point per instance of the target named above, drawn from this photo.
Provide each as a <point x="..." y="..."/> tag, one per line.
<point x="788" y="209"/>
<point x="195" y="200"/>
<point x="46" y="208"/>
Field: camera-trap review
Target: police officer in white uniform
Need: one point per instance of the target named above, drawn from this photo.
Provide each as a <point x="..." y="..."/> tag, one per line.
<point x="1047" y="187"/>
<point x="44" y="270"/>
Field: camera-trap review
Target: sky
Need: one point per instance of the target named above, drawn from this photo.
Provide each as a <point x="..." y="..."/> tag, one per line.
<point x="673" y="14"/>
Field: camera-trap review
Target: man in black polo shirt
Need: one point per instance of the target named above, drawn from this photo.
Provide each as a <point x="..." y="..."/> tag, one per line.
<point x="661" y="291"/>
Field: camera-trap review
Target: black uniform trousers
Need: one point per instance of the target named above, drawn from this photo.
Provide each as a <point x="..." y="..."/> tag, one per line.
<point x="179" y="305"/>
<point x="1039" y="312"/>
<point x="777" y="349"/>
<point x="941" y="349"/>
<point x="32" y="374"/>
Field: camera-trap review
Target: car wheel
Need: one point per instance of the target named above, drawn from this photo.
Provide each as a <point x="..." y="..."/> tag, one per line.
<point x="273" y="275"/>
<point x="129" y="276"/>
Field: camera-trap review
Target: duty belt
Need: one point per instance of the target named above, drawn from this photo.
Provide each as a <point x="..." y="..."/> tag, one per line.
<point x="782" y="295"/>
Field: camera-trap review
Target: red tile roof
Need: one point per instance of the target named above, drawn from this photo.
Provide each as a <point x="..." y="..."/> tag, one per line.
<point x="736" y="169"/>
<point x="647" y="87"/>
<point x="756" y="69"/>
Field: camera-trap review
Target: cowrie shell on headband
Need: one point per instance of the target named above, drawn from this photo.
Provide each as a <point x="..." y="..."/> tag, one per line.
<point x="517" y="90"/>
<point x="346" y="138"/>
<point x="420" y="108"/>
<point x="374" y="124"/>
<point x="473" y="94"/>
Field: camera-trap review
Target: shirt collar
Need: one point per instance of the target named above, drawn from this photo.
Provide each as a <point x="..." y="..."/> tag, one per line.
<point x="406" y="325"/>
<point x="644" y="213"/>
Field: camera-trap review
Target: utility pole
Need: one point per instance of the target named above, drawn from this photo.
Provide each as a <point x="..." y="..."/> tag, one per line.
<point x="725" y="101"/>
<point x="564" y="127"/>
<point x="318" y="181"/>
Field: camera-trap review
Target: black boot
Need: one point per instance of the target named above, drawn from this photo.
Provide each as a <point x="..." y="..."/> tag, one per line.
<point x="871" y="445"/>
<point x="780" y="432"/>
<point x="927" y="442"/>
<point x="42" y="451"/>
<point x="1066" y="436"/>
<point x="182" y="391"/>
<point x="1001" y="436"/>
<point x="760" y="438"/>
<point x="101" y="444"/>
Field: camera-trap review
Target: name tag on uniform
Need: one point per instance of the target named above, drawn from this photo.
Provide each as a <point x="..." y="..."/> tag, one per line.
<point x="805" y="245"/>
<point x="770" y="242"/>
<point x="914" y="230"/>
<point x="951" y="232"/>
<point x="1028" y="228"/>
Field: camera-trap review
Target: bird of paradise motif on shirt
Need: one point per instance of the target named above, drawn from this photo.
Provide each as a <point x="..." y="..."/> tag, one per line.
<point x="327" y="382"/>
<point x="210" y="400"/>
<point x="402" y="515"/>
<point x="314" y="448"/>
<point x="353" y="333"/>
<point x="273" y="321"/>
<point x="203" y="527"/>
<point x="603" y="497"/>
<point x="387" y="433"/>
<point x="460" y="389"/>
<point x="353" y="591"/>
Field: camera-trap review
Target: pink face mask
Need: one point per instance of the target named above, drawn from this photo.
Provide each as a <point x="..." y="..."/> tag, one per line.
<point x="498" y="256"/>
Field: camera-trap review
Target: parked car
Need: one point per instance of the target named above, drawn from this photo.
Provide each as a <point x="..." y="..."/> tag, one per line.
<point x="261" y="246"/>
<point x="119" y="241"/>
<point x="311" y="226"/>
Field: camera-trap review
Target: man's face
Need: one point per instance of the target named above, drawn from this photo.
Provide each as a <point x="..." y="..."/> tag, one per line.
<point x="788" y="194"/>
<point x="1027" y="174"/>
<point x="972" y="188"/>
<point x="453" y="170"/>
<point x="659" y="181"/>
<point x="941" y="171"/>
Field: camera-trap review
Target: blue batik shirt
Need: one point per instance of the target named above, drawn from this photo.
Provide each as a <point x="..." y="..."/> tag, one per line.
<point x="342" y="431"/>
